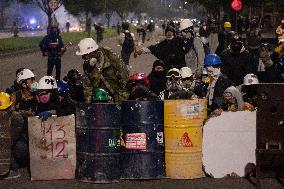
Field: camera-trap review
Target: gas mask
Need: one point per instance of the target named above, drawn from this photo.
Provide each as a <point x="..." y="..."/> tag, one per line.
<point x="43" y="98"/>
<point x="174" y="84"/>
<point x="213" y="72"/>
<point x="186" y="83"/>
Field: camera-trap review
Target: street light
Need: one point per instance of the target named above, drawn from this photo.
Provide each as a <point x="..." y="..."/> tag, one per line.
<point x="185" y="2"/>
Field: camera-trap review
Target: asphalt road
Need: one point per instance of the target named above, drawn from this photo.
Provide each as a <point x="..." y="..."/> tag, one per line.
<point x="143" y="63"/>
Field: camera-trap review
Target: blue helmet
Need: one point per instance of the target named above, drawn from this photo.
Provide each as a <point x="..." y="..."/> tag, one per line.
<point x="211" y="60"/>
<point x="62" y="87"/>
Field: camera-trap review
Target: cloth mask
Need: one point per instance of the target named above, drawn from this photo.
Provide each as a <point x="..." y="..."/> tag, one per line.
<point x="43" y="98"/>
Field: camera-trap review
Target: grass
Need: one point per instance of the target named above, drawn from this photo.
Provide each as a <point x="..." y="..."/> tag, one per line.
<point x="19" y="43"/>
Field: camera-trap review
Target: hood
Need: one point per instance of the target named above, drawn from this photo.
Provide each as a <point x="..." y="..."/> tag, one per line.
<point x="237" y="95"/>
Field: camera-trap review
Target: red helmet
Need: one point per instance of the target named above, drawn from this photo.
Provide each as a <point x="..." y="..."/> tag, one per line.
<point x="140" y="77"/>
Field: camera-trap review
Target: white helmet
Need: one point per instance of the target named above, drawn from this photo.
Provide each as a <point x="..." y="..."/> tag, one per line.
<point x="86" y="46"/>
<point x="185" y="23"/>
<point x="185" y="72"/>
<point x="24" y="74"/>
<point x="47" y="82"/>
<point x="251" y="79"/>
<point x="173" y="72"/>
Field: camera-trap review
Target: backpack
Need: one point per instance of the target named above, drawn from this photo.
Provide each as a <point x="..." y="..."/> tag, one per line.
<point x="128" y="44"/>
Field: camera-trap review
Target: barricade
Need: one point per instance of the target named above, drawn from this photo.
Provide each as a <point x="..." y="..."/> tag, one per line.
<point x="183" y="137"/>
<point x="52" y="148"/>
<point x="98" y="142"/>
<point x="5" y="143"/>
<point x="142" y="142"/>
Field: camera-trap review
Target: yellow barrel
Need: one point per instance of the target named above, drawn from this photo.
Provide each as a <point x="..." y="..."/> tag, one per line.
<point x="183" y="120"/>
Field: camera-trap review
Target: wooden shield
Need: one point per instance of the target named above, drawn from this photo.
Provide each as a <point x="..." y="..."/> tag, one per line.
<point x="5" y="143"/>
<point x="52" y="147"/>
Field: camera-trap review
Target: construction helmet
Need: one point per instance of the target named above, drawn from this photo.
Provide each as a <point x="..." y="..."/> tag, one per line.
<point x="227" y="25"/>
<point x="251" y="79"/>
<point x="5" y="101"/>
<point x="139" y="77"/>
<point x="211" y="60"/>
<point x="185" y="23"/>
<point x="24" y="74"/>
<point x="86" y="46"/>
<point x="185" y="72"/>
<point x="100" y="94"/>
<point x="173" y="72"/>
<point x="46" y="83"/>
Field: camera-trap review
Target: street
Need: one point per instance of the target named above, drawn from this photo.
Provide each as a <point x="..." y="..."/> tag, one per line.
<point x="143" y="63"/>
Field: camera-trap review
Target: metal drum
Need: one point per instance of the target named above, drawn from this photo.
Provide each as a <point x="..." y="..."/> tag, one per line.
<point x="183" y="137"/>
<point x="98" y="142"/>
<point x="142" y="143"/>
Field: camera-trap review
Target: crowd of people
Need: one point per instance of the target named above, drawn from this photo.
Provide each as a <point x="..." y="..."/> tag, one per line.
<point x="192" y="62"/>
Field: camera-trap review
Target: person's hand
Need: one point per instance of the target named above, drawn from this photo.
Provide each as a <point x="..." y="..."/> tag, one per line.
<point x="44" y="115"/>
<point x="217" y="112"/>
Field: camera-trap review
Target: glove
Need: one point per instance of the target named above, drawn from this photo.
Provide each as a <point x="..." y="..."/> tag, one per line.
<point x="44" y="115"/>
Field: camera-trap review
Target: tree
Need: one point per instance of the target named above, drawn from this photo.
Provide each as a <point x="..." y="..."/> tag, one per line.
<point x="3" y="5"/>
<point x="44" y="5"/>
<point x="123" y="7"/>
<point x="84" y="7"/>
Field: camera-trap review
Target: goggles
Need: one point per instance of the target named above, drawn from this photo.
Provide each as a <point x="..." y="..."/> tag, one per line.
<point x="173" y="74"/>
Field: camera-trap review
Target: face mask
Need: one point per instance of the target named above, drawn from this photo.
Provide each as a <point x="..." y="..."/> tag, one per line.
<point x="43" y="98"/>
<point x="187" y="84"/>
<point x="173" y="85"/>
<point x="34" y="86"/>
<point x="170" y="38"/>
<point x="236" y="48"/>
<point x="159" y="73"/>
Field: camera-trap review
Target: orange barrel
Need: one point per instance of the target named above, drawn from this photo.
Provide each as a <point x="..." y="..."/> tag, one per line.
<point x="183" y="120"/>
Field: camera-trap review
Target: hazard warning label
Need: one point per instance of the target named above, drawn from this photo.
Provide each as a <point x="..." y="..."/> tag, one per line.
<point x="136" y="141"/>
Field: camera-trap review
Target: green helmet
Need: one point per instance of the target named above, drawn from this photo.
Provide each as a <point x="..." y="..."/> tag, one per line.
<point x="99" y="95"/>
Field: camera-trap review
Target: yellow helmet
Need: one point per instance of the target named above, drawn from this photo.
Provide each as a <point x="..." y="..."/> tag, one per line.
<point x="5" y="101"/>
<point x="227" y="25"/>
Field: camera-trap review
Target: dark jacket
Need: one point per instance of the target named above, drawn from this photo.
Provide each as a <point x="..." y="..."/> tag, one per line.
<point x="236" y="66"/>
<point x="171" y="52"/>
<point x="157" y="81"/>
<point x="52" y="45"/>
<point x="221" y="85"/>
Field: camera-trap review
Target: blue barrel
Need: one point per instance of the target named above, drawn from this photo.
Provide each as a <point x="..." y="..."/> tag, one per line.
<point x="98" y="142"/>
<point x="142" y="143"/>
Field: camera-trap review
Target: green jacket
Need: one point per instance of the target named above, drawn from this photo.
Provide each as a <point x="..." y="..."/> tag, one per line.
<point x="111" y="76"/>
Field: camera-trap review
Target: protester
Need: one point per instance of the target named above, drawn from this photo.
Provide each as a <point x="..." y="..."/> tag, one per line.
<point x="280" y="30"/>
<point x="74" y="80"/>
<point x="15" y="87"/>
<point x="157" y="77"/>
<point x="18" y="134"/>
<point x="99" y="32"/>
<point x="138" y="86"/>
<point x="171" y="50"/>
<point x="49" y="102"/>
<point x="224" y="38"/>
<point x="103" y="69"/>
<point x="127" y="41"/>
<point x="249" y="92"/>
<point x="213" y="40"/>
<point x="52" y="46"/>
<point x="174" y="89"/>
<point x="15" y="29"/>
<point x="218" y="82"/>
<point x="236" y="61"/>
<point x="187" y="78"/>
<point x="24" y="98"/>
